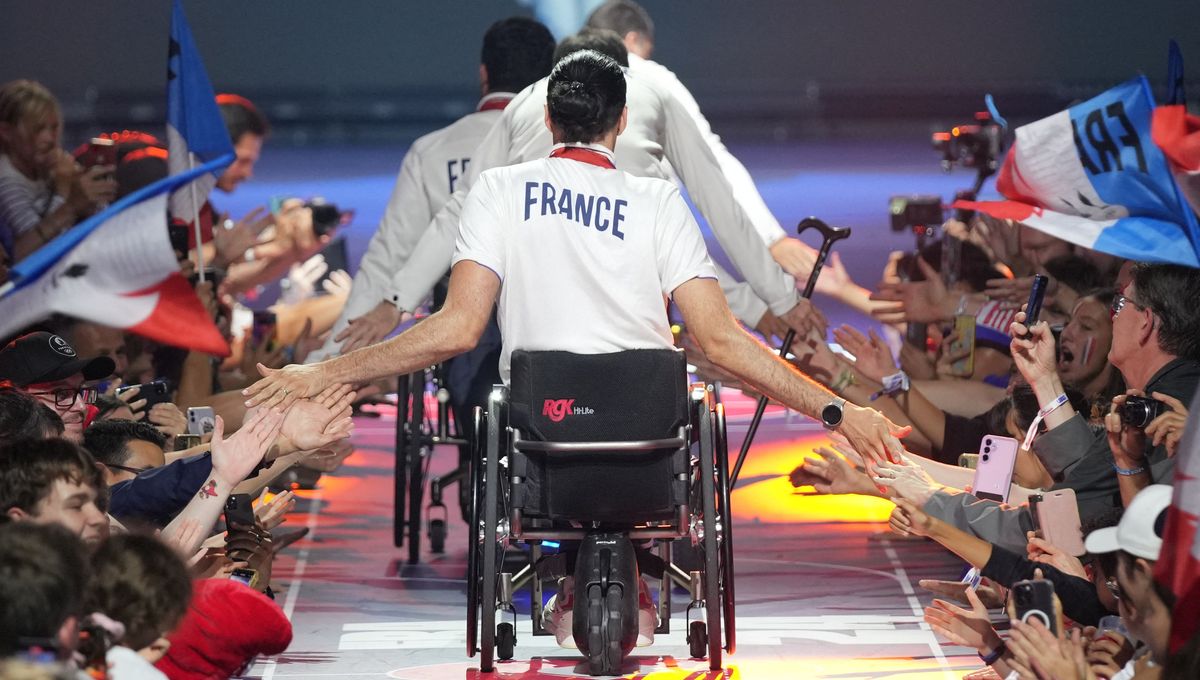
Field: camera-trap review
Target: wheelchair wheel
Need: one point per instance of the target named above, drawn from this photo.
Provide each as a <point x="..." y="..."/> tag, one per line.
<point x="712" y="560"/>
<point x="437" y="536"/>
<point x="474" y="544"/>
<point x="604" y="629"/>
<point x="726" y="514"/>
<point x="489" y="562"/>
<point x="697" y="639"/>
<point x="400" y="478"/>
<point x="506" y="641"/>
<point x="418" y="453"/>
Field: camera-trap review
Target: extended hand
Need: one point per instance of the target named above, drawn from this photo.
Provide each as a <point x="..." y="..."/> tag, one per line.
<point x="917" y="301"/>
<point x="967" y="627"/>
<point x="909" y="520"/>
<point x="794" y="256"/>
<point x="282" y="387"/>
<point x="832" y="474"/>
<point x="872" y="356"/>
<point x="805" y="318"/>
<point x="369" y="328"/>
<point x="320" y="421"/>
<point x="234" y="458"/>
<point x="907" y="480"/>
<point x="871" y="434"/>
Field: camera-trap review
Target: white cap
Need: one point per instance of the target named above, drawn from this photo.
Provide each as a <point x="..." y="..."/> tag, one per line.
<point x="1135" y="533"/>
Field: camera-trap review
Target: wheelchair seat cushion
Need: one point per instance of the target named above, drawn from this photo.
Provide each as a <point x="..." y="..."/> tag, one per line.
<point x="630" y="395"/>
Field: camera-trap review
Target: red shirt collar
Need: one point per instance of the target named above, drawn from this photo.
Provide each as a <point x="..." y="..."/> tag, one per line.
<point x="600" y="157"/>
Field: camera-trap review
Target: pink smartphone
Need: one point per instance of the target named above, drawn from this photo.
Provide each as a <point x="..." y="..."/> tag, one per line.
<point x="1058" y="521"/>
<point x="993" y="472"/>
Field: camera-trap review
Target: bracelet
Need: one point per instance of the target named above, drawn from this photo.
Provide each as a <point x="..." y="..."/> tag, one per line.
<point x="845" y="379"/>
<point x="1037" y="420"/>
<point x="995" y="655"/>
<point x="893" y="384"/>
<point x="249" y="255"/>
<point x="1129" y="472"/>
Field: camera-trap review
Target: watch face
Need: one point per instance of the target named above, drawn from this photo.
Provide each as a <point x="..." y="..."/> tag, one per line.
<point x="832" y="415"/>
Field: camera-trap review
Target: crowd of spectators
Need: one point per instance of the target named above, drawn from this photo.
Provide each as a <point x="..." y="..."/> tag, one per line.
<point x="1109" y="331"/>
<point x="142" y="505"/>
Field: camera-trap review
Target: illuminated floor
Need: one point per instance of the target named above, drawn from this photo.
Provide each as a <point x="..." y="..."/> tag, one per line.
<point x="823" y="592"/>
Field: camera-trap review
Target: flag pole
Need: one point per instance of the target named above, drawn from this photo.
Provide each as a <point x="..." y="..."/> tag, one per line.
<point x="196" y="220"/>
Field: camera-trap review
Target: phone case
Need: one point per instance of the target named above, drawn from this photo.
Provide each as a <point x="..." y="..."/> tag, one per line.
<point x="964" y="326"/>
<point x="993" y="473"/>
<point x="1058" y="520"/>
<point x="201" y="420"/>
<point x="1035" y="599"/>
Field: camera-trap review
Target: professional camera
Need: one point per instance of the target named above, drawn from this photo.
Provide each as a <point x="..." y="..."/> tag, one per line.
<point x="1140" y="411"/>
<point x="974" y="145"/>
<point x="326" y="216"/>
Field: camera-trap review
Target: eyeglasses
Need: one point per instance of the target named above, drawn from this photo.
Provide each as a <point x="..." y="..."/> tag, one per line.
<point x="1118" y="304"/>
<point x="1114" y="586"/>
<point x="65" y="397"/>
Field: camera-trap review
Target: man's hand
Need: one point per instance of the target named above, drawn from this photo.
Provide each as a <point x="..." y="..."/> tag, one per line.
<point x="771" y="328"/>
<point x="832" y="474"/>
<point x="1167" y="428"/>
<point x="917" y="301"/>
<point x="369" y="328"/>
<point x="231" y="244"/>
<point x="318" y="422"/>
<point x="871" y="434"/>
<point x="234" y="458"/>
<point x="328" y="458"/>
<point x="909" y="520"/>
<point x="1040" y="550"/>
<point x="1033" y="350"/>
<point x="168" y="419"/>
<point x="1128" y="444"/>
<point x="91" y="188"/>
<point x="1037" y="653"/>
<point x="834" y="280"/>
<point x="907" y="480"/>
<point x="795" y="257"/>
<point x="130" y="397"/>
<point x="282" y="387"/>
<point x="805" y="318"/>
<point x="272" y="513"/>
<point x="966" y="627"/>
<point x="872" y="356"/>
<point x="1107" y="655"/>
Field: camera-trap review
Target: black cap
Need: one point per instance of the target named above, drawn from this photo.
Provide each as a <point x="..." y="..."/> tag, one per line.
<point x="44" y="357"/>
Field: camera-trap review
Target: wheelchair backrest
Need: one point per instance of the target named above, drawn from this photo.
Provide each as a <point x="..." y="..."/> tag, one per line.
<point x="566" y="397"/>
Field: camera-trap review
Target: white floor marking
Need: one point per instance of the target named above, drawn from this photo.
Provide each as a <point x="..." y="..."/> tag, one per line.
<point x="902" y="576"/>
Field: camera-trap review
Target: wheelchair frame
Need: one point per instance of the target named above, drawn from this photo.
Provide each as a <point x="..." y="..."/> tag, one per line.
<point x="705" y="518"/>
<point x="416" y="436"/>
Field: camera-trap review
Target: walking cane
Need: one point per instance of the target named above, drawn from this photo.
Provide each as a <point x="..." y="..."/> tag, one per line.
<point x="829" y="235"/>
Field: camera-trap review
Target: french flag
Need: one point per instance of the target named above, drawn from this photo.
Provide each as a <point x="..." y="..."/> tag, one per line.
<point x="1094" y="176"/>
<point x="196" y="133"/>
<point x="116" y="268"/>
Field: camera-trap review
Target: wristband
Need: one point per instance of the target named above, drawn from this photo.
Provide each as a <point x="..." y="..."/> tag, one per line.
<point x="995" y="655"/>
<point x="249" y="255"/>
<point x="1129" y="472"/>
<point x="893" y="384"/>
<point x="1037" y="420"/>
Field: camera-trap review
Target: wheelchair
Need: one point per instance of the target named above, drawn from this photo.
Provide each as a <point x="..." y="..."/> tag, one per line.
<point x="599" y="452"/>
<point x="423" y="421"/>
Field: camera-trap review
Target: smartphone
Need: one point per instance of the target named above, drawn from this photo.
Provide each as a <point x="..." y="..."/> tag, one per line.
<point x="1033" y="308"/>
<point x="1035" y="600"/>
<point x="239" y="511"/>
<point x="177" y="231"/>
<point x="102" y="152"/>
<point x="1058" y="521"/>
<point x="964" y="327"/>
<point x="968" y="460"/>
<point x="915" y="334"/>
<point x="201" y="420"/>
<point x="993" y="473"/>
<point x="1035" y="499"/>
<point x="262" y="327"/>
<point x="153" y="392"/>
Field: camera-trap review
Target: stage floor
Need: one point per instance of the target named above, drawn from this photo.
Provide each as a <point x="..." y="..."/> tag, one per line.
<point x="824" y="591"/>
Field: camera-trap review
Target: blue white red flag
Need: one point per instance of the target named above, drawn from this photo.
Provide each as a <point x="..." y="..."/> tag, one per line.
<point x="1178" y="566"/>
<point x="116" y="268"/>
<point x="1093" y="175"/>
<point x="196" y="133"/>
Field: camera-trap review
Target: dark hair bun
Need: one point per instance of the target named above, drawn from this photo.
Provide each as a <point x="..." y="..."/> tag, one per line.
<point x="586" y="95"/>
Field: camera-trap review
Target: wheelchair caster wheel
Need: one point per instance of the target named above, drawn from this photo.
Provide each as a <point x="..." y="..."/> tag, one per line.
<point x="437" y="535"/>
<point x="506" y="640"/>
<point x="604" y="626"/>
<point x="698" y="639"/>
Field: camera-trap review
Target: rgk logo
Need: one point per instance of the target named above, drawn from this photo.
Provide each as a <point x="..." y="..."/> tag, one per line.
<point x="557" y="409"/>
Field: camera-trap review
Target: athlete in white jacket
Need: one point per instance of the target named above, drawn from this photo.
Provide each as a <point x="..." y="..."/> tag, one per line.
<point x="661" y="137"/>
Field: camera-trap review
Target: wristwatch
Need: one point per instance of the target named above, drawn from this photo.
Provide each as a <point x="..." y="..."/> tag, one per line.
<point x="831" y="415"/>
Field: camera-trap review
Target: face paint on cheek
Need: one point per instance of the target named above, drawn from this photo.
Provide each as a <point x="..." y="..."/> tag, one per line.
<point x="1087" y="350"/>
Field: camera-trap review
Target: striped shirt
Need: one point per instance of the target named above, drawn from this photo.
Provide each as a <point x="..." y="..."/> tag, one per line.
<point x="23" y="203"/>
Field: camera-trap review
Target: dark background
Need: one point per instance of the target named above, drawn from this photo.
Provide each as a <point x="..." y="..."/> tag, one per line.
<point x="362" y="71"/>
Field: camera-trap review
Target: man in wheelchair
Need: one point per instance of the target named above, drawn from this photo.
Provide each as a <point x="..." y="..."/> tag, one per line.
<point x="580" y="258"/>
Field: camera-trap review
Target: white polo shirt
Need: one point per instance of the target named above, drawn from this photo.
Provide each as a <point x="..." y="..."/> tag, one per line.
<point x="585" y="253"/>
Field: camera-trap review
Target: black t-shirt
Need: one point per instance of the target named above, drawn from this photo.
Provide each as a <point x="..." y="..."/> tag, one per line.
<point x="962" y="435"/>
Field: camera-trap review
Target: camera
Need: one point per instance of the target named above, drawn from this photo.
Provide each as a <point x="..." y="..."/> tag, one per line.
<point x="1140" y="411"/>
<point x="972" y="145"/>
<point x="915" y="212"/>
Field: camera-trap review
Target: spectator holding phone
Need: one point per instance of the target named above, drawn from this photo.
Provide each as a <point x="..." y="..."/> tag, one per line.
<point x="43" y="191"/>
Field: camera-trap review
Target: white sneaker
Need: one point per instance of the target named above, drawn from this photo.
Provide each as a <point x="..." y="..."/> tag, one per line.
<point x="647" y="615"/>
<point x="558" y="614"/>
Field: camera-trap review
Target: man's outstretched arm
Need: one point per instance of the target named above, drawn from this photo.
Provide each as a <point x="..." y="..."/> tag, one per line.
<point x="450" y="332"/>
<point x="730" y="347"/>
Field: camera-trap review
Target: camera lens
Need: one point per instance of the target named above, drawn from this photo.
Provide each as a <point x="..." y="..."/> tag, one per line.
<point x="987" y="442"/>
<point x="986" y="457"/>
<point x="987" y="449"/>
